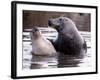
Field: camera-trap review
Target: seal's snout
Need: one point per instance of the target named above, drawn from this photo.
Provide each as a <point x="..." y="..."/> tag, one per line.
<point x="49" y="22"/>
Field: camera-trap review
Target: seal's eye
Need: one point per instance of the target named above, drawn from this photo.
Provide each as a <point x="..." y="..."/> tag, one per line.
<point x="34" y="30"/>
<point x="60" y="19"/>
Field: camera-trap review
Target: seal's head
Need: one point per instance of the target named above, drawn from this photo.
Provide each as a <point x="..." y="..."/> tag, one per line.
<point x="35" y="32"/>
<point x="60" y="23"/>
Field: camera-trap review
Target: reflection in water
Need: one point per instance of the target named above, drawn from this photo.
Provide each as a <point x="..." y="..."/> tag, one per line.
<point x="36" y="62"/>
<point x="44" y="62"/>
<point x="69" y="60"/>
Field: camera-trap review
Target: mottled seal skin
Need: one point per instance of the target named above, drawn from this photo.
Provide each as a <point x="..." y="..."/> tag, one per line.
<point x="69" y="40"/>
<point x="40" y="45"/>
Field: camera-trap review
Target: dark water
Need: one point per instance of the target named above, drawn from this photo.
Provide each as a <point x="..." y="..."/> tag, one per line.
<point x="36" y="62"/>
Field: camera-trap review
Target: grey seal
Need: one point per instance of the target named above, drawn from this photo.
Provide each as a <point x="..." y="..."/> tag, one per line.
<point x="40" y="45"/>
<point x="69" y="39"/>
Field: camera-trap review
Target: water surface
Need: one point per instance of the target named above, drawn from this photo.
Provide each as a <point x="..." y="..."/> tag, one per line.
<point x="36" y="62"/>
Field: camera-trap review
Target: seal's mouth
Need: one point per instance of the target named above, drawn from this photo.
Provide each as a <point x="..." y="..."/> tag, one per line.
<point x="50" y="23"/>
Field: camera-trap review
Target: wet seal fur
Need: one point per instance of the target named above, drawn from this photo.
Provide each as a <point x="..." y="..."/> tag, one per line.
<point x="69" y="40"/>
<point x="40" y="45"/>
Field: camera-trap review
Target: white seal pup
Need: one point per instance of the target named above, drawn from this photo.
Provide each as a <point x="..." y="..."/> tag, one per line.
<point x="69" y="40"/>
<point x="40" y="45"/>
